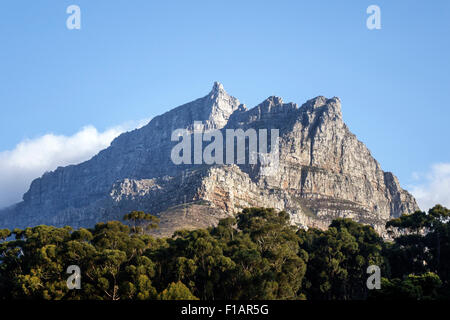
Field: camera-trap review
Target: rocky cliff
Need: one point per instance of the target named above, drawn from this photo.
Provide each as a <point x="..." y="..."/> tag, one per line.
<point x="324" y="172"/>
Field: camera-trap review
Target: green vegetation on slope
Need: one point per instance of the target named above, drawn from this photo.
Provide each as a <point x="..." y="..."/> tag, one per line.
<point x="257" y="255"/>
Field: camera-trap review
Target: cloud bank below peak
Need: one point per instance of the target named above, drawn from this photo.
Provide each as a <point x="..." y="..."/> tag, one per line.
<point x="432" y="187"/>
<point x="31" y="158"/>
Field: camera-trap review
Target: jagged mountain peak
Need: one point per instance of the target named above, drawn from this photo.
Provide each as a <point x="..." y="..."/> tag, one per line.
<point x="273" y="101"/>
<point x="323" y="105"/>
<point x="321" y="101"/>
<point x="213" y="110"/>
<point x="324" y="172"/>
<point x="217" y="88"/>
<point x="220" y="106"/>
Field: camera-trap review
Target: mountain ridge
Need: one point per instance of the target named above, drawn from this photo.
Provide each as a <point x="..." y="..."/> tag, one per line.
<point x="325" y="172"/>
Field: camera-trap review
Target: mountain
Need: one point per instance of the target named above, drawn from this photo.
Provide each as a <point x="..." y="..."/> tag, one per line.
<point x="324" y="172"/>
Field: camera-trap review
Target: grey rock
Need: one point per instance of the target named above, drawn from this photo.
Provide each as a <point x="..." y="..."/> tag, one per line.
<point x="325" y="172"/>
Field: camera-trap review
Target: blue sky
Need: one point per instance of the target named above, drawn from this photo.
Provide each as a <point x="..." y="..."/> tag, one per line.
<point x="133" y="60"/>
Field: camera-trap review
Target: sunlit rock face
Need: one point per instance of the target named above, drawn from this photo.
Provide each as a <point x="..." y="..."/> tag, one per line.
<point x="324" y="172"/>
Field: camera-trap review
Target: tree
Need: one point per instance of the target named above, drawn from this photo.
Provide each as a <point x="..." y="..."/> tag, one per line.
<point x="412" y="287"/>
<point x="177" y="291"/>
<point x="4" y="234"/>
<point x="111" y="260"/>
<point x="423" y="245"/>
<point x="266" y="250"/>
<point x="256" y="255"/>
<point x="141" y="221"/>
<point x="338" y="260"/>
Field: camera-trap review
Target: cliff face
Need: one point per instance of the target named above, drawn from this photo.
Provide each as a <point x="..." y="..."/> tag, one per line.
<point x="324" y="172"/>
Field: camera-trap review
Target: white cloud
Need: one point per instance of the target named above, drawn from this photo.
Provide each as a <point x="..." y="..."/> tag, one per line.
<point x="433" y="187"/>
<point x="33" y="157"/>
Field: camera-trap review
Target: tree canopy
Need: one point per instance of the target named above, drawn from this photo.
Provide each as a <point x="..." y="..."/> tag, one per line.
<point x="256" y="255"/>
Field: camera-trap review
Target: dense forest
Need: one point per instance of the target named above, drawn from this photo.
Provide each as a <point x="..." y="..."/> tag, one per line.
<point x="257" y="255"/>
